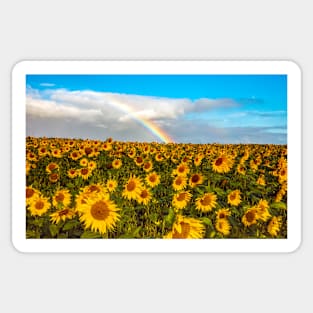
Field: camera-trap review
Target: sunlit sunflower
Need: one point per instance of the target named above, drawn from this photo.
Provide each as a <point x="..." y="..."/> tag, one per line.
<point x="132" y="188"/>
<point x="72" y="173"/>
<point x="56" y="153"/>
<point x="62" y="215"/>
<point x="181" y="199"/>
<point x="61" y="198"/>
<point x="186" y="228"/>
<point x="250" y="217"/>
<point x="75" y="155"/>
<point x="84" y="173"/>
<point x="234" y="197"/>
<point x="31" y="194"/>
<point x="182" y="169"/>
<point x="179" y="182"/>
<point x="223" y="226"/>
<point x="31" y="157"/>
<point x="261" y="180"/>
<point x="39" y="206"/>
<point x="83" y="162"/>
<point x="152" y="179"/>
<point x="262" y="210"/>
<point x="282" y="175"/>
<point x="254" y="165"/>
<point x="99" y="214"/>
<point x="147" y="166"/>
<point x="54" y="177"/>
<point x="222" y="164"/>
<point x="132" y="153"/>
<point x="111" y="185"/>
<point x="207" y="202"/>
<point x="274" y="225"/>
<point x="195" y="180"/>
<point x="106" y="146"/>
<point x="43" y="151"/>
<point x="28" y="167"/>
<point x="144" y="196"/>
<point x="117" y="163"/>
<point x="159" y="157"/>
<point x="241" y="169"/>
<point x="92" y="165"/>
<point x="198" y="160"/>
<point x="222" y="213"/>
<point x="51" y="167"/>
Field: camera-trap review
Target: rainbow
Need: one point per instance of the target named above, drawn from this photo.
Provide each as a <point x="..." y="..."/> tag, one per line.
<point x="148" y="124"/>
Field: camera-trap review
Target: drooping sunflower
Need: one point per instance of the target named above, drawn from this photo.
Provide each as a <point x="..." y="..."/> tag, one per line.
<point x="54" y="177"/>
<point x="181" y="199"/>
<point x="31" y="194"/>
<point x="117" y="163"/>
<point x="61" y="198"/>
<point x="222" y="213"/>
<point x="132" y="188"/>
<point x="234" y="198"/>
<point x="250" y="217"/>
<point x="274" y="225"/>
<point x="262" y="210"/>
<point x="222" y="164"/>
<point x="223" y="226"/>
<point x="207" y="202"/>
<point x="152" y="179"/>
<point x="144" y="196"/>
<point x="111" y="184"/>
<point x="62" y="215"/>
<point x="99" y="214"/>
<point x="186" y="228"/>
<point x="195" y="180"/>
<point x="39" y="206"/>
<point x="179" y="182"/>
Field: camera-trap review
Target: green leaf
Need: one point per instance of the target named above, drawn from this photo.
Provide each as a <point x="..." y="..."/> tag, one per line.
<point x="279" y="205"/>
<point x="90" y="235"/>
<point x="70" y="224"/>
<point x="54" y="229"/>
<point x="207" y="221"/>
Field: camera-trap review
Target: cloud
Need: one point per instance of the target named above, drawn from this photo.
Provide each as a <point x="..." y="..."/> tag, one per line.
<point x="47" y="85"/>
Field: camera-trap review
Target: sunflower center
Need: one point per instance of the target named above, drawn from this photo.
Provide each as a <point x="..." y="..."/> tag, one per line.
<point x="63" y="212"/>
<point x="181" y="196"/>
<point x="54" y="176"/>
<point x="185" y="230"/>
<point x="88" y="150"/>
<point x="152" y="178"/>
<point x="144" y="194"/>
<point x="181" y="169"/>
<point x="179" y="181"/>
<point x="250" y="216"/>
<point x="219" y="161"/>
<point x="222" y="215"/>
<point x="51" y="167"/>
<point x="93" y="188"/>
<point x="59" y="197"/>
<point x="39" y="205"/>
<point x="195" y="178"/>
<point x="29" y="193"/>
<point x="84" y="171"/>
<point x="131" y="186"/>
<point x="147" y="166"/>
<point x="206" y="200"/>
<point x="100" y="210"/>
<point x="232" y="196"/>
<point x="139" y="159"/>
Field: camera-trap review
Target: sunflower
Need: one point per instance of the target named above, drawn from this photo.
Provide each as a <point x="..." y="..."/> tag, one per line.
<point x="241" y="169"/>
<point x="152" y="179"/>
<point x="107" y="146"/>
<point x="84" y="173"/>
<point x="51" y="167"/>
<point x="144" y="196"/>
<point x="139" y="160"/>
<point x="39" y="206"/>
<point x="75" y="155"/>
<point x="261" y="180"/>
<point x="195" y="180"/>
<point x="111" y="185"/>
<point x="223" y="226"/>
<point x="159" y="157"/>
<point x="262" y="210"/>
<point x="234" y="197"/>
<point x="198" y="159"/>
<point x="62" y="215"/>
<point x="182" y="169"/>
<point x="274" y="225"/>
<point x="54" y="177"/>
<point x="222" y="164"/>
<point x="132" y="188"/>
<point x="61" y="197"/>
<point x="207" y="202"/>
<point x="43" y="151"/>
<point x="56" y="153"/>
<point x="92" y="165"/>
<point x="28" y="167"/>
<point x="147" y="166"/>
<point x="99" y="214"/>
<point x="179" y="182"/>
<point x="181" y="199"/>
<point x="83" y="162"/>
<point x="31" y="157"/>
<point x="222" y="213"/>
<point x="117" y="163"/>
<point x="72" y="173"/>
<point x="31" y="194"/>
<point x="186" y="228"/>
<point x="250" y="217"/>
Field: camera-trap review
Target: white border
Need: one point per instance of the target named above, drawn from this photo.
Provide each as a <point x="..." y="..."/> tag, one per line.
<point x="288" y="68"/>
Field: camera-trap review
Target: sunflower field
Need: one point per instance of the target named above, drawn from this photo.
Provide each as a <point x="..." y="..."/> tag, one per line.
<point x="110" y="189"/>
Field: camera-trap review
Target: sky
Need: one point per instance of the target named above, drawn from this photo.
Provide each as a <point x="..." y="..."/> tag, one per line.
<point x="162" y="108"/>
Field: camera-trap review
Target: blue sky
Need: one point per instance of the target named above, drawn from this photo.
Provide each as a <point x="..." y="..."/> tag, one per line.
<point x="190" y="108"/>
